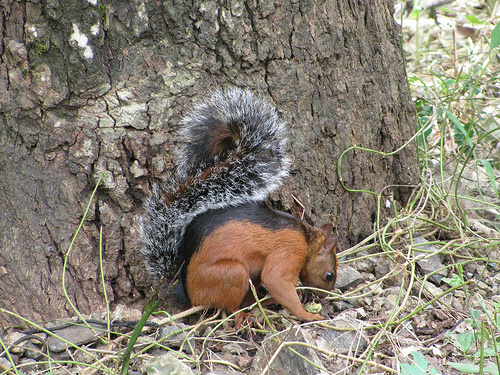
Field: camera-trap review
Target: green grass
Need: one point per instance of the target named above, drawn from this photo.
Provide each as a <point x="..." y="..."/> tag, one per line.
<point x="455" y="87"/>
<point x="454" y="96"/>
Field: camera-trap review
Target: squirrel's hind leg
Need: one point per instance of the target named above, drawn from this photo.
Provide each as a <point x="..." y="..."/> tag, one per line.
<point x="221" y="285"/>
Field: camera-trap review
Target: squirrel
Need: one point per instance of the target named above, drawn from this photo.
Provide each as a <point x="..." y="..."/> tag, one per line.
<point x="211" y="221"/>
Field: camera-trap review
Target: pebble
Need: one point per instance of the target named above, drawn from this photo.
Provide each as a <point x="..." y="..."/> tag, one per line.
<point x="285" y="361"/>
<point x="28" y="365"/>
<point x="233" y="348"/>
<point x="459" y="293"/>
<point x="77" y="335"/>
<point x="434" y="290"/>
<point x="348" y="277"/>
<point x="429" y="264"/>
<point x="12" y="338"/>
<point x="339" y="306"/>
<point x="176" y="336"/>
<point x="391" y="296"/>
<point x="167" y="364"/>
<point x="4" y="362"/>
<point x="347" y="338"/>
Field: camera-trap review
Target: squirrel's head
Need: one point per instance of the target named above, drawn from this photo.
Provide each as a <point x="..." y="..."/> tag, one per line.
<point x="320" y="270"/>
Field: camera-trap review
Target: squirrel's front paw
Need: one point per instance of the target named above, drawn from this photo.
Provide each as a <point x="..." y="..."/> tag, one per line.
<point x="244" y="319"/>
<point x="309" y="317"/>
<point x="316" y="317"/>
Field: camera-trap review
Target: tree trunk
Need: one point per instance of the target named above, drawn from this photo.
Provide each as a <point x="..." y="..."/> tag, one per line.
<point x="98" y="90"/>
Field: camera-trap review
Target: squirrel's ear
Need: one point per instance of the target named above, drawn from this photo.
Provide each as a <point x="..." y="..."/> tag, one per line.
<point x="330" y="242"/>
<point x="327" y="229"/>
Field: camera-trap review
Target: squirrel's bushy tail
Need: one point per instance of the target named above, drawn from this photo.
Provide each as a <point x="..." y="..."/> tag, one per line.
<point x="233" y="152"/>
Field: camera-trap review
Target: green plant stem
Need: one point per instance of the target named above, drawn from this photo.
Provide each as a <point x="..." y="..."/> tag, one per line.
<point x="7" y="354"/>
<point x="394" y="313"/>
<point x="150" y="306"/>
<point x="66" y="256"/>
<point x="259" y="305"/>
<point x="430" y="302"/>
<point x="481" y="349"/>
<point x="103" y="283"/>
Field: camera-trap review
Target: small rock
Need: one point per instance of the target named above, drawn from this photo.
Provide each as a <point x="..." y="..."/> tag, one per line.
<point x="285" y="361"/>
<point x="244" y="361"/>
<point x="434" y="290"/>
<point x="67" y="355"/>
<point x="11" y="338"/>
<point x="360" y="313"/>
<point x="233" y="348"/>
<point x="483" y="293"/>
<point x="367" y="301"/>
<point x="5" y="363"/>
<point x="160" y="138"/>
<point x="77" y="335"/>
<point x="32" y="351"/>
<point x="429" y="264"/>
<point x="234" y="353"/>
<point x="229" y="358"/>
<point x="134" y="115"/>
<point x="30" y="366"/>
<point x="376" y="289"/>
<point x="459" y="293"/>
<point x="81" y="356"/>
<point x="158" y="163"/>
<point x="175" y="334"/>
<point x="484" y="286"/>
<point x="348" y="277"/>
<point x="475" y="303"/>
<point x="391" y="296"/>
<point x="383" y="266"/>
<point x="376" y="305"/>
<point x="126" y="314"/>
<point x="339" y="306"/>
<point x="348" y="338"/>
<point x="369" y="277"/>
<point x="365" y="265"/>
<point x="457" y="304"/>
<point x="167" y="364"/>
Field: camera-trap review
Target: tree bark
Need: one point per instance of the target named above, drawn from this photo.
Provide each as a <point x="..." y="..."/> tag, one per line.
<point x="98" y="90"/>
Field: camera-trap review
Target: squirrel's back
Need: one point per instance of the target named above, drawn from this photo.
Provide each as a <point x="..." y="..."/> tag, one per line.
<point x="233" y="152"/>
<point x="257" y="214"/>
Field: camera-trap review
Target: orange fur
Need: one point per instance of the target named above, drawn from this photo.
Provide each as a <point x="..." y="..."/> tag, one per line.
<point x="218" y="273"/>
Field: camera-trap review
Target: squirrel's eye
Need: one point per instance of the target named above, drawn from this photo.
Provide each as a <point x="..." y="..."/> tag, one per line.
<point x="330" y="276"/>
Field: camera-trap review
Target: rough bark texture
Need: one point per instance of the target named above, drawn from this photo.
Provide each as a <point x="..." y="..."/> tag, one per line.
<point x="90" y="90"/>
